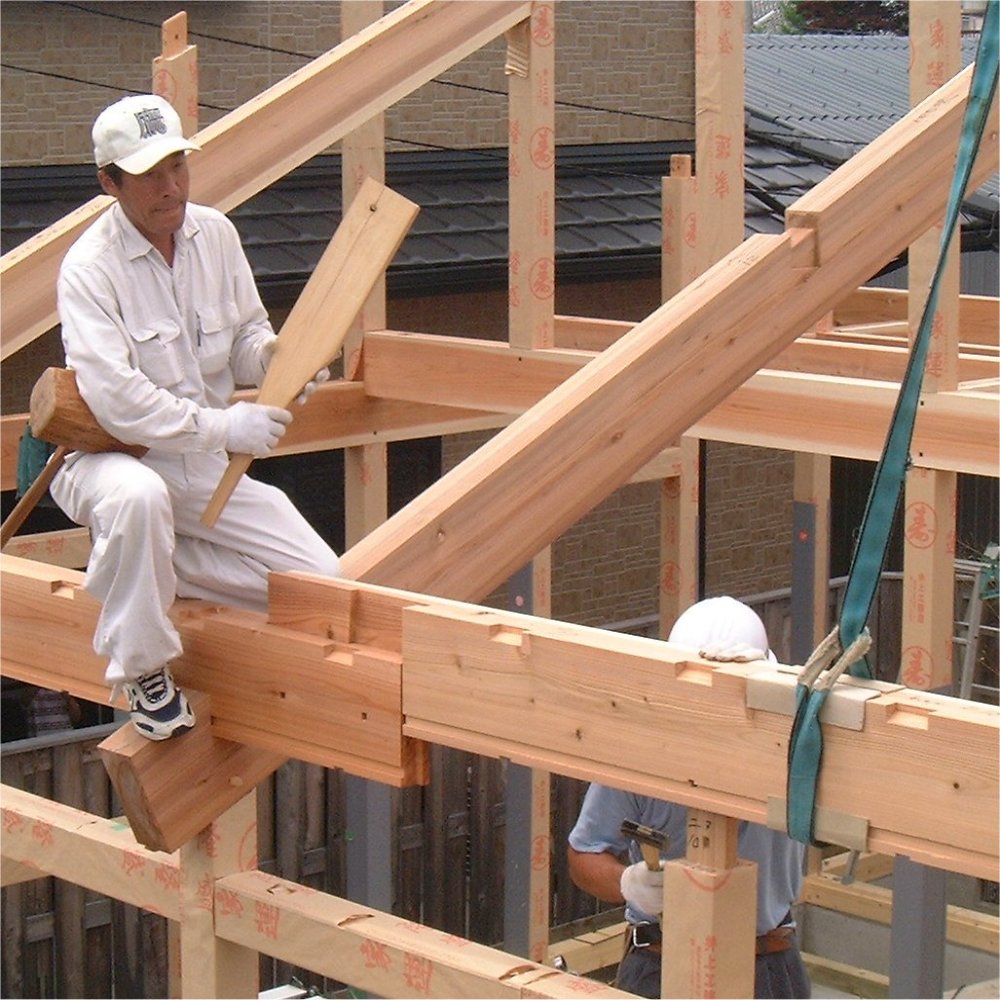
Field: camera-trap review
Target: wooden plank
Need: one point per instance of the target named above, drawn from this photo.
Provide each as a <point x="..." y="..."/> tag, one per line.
<point x="375" y="951"/>
<point x="311" y="338"/>
<point x="301" y="115"/>
<point x="69" y="547"/>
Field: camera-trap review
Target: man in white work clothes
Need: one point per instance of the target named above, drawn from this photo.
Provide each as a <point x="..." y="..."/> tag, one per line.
<point x="719" y="628"/>
<point x="161" y="320"/>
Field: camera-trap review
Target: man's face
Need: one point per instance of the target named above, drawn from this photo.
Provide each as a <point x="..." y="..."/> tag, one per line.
<point x="156" y="200"/>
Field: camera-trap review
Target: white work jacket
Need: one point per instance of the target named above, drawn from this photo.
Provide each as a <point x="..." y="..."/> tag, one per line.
<point x="158" y="350"/>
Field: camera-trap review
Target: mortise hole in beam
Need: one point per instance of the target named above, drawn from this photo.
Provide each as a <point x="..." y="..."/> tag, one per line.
<point x="907" y="715"/>
<point x="694" y="673"/>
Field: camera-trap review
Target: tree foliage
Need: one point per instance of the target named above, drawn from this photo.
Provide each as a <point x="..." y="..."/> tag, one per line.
<point x="854" y="17"/>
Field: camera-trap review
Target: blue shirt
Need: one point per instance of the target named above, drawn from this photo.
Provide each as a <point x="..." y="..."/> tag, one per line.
<point x="779" y="858"/>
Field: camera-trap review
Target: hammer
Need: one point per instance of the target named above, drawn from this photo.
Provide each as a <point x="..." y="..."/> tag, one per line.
<point x="59" y="415"/>
<point x="651" y="842"/>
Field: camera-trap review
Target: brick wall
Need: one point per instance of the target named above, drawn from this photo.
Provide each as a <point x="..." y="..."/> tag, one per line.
<point x="631" y="57"/>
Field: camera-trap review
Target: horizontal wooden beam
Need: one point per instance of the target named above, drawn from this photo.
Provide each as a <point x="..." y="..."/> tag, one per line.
<point x="791" y="410"/>
<point x="337" y="415"/>
<point x="978" y="320"/>
<point x="99" y="854"/>
<point x="964" y="927"/>
<point x="251" y="147"/>
<point x="918" y="771"/>
<point x="273" y="687"/>
<point x="374" y="951"/>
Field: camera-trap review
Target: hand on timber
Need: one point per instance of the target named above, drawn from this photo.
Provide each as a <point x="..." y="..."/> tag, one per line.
<point x="254" y="429"/>
<point x="725" y="651"/>
<point x="643" y="887"/>
<point x="310" y="387"/>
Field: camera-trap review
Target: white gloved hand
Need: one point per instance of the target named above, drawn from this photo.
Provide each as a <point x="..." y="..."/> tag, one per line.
<point x="254" y="428"/>
<point x="312" y="385"/>
<point x="724" y="651"/>
<point x="643" y="888"/>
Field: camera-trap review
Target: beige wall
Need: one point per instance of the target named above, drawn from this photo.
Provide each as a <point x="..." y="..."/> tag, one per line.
<point x="620" y="55"/>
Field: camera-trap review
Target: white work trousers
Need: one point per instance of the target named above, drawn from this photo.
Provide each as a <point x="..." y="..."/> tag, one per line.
<point x="149" y="546"/>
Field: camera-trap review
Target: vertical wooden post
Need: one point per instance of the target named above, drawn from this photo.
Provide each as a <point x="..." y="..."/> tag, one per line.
<point x="530" y="69"/>
<point x="930" y="499"/>
<point x="366" y="482"/>
<point x="679" y="508"/>
<point x="709" y="924"/>
<point x="175" y="72"/>
<point x="210" y="966"/>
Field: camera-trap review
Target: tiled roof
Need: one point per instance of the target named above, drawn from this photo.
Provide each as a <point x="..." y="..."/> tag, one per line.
<point x="811" y="102"/>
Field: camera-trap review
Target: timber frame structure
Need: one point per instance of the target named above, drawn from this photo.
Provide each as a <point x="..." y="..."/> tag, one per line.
<point x="767" y="342"/>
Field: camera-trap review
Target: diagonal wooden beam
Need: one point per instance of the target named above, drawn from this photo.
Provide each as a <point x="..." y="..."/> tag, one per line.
<point x="252" y="146"/>
<point x="587" y="437"/>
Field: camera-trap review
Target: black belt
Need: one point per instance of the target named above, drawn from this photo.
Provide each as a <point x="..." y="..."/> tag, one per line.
<point x="774" y="941"/>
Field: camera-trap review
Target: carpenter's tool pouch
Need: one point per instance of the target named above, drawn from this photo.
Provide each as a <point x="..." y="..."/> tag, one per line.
<point x="32" y="456"/>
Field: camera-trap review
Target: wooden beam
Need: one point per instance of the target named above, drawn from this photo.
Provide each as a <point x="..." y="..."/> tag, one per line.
<point x="965" y="927"/>
<point x="291" y="683"/>
<point x="578" y="701"/>
<point x="377" y="952"/>
<point x="586" y="438"/>
<point x="299" y="116"/>
<point x="978" y="320"/>
<point x="828" y="415"/>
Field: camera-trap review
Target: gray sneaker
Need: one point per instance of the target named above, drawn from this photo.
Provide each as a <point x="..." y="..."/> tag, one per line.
<point x="157" y="707"/>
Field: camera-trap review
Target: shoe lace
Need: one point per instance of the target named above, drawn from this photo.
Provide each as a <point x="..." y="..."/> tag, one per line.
<point x="154" y="685"/>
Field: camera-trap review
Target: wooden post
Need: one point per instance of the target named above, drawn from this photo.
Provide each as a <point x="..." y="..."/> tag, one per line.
<point x="211" y="966"/>
<point x="929" y="510"/>
<point x="175" y="72"/>
<point x="530" y="69"/>
<point x="709" y="914"/>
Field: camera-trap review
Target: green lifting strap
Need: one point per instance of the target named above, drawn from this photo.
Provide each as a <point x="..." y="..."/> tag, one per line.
<point x="805" y="746"/>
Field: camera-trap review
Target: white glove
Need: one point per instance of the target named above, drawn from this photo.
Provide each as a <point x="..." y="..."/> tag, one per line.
<point x="643" y="888"/>
<point x="731" y="652"/>
<point x="254" y="428"/>
<point x="312" y="385"/>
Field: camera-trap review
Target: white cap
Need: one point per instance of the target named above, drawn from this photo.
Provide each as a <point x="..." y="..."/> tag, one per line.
<point x="137" y="132"/>
<point x="719" y="619"/>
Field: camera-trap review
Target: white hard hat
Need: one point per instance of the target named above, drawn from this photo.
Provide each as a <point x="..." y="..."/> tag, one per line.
<point x="719" y="620"/>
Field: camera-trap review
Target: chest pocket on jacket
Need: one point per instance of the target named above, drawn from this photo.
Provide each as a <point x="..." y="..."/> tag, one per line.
<point x="159" y="352"/>
<point x="216" y="329"/>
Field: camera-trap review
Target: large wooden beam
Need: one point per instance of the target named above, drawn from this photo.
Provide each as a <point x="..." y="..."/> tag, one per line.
<point x="904" y="771"/>
<point x="588" y="436"/>
<point x="252" y="146"/>
<point x="289" y="685"/>
<point x="794" y="407"/>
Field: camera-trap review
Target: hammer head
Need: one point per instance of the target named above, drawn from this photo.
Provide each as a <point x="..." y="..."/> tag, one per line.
<point x="651" y="842"/>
